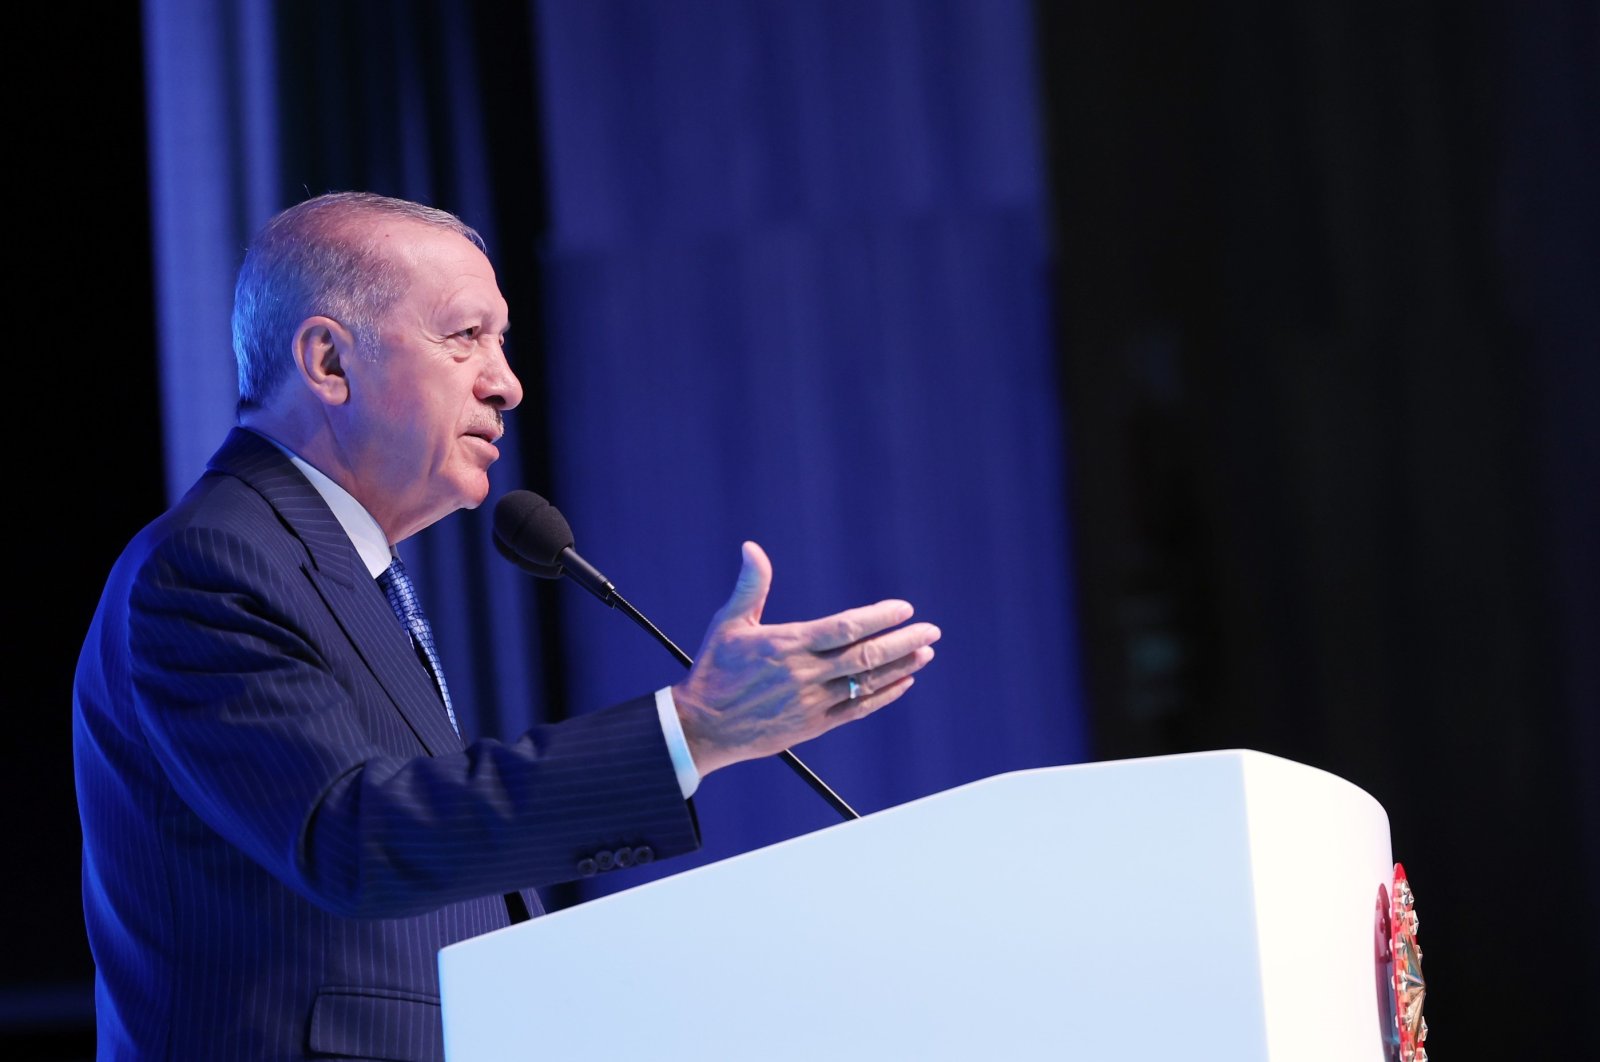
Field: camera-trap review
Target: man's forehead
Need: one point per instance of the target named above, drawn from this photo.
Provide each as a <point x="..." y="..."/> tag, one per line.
<point x="432" y="254"/>
<point x="414" y="242"/>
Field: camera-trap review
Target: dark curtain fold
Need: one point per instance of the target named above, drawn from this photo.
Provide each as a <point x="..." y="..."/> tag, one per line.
<point x="1330" y="349"/>
<point x="211" y="84"/>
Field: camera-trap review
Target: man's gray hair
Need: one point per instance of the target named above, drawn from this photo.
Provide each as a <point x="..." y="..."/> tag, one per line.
<point x="320" y="258"/>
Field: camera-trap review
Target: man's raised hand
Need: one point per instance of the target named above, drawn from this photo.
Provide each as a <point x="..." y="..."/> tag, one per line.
<point x="755" y="690"/>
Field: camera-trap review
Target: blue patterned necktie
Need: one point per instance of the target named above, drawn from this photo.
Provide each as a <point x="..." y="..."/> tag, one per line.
<point x="403" y="599"/>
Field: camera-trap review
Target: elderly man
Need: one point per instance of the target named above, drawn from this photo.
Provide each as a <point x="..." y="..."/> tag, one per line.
<point x="282" y="823"/>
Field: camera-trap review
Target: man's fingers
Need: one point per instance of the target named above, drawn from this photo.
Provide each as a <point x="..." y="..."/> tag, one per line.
<point x="750" y="589"/>
<point x="845" y="628"/>
<point x="867" y="703"/>
<point x="868" y="683"/>
<point x="881" y="649"/>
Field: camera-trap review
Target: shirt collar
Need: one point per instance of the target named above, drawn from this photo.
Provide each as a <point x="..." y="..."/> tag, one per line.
<point x="365" y="534"/>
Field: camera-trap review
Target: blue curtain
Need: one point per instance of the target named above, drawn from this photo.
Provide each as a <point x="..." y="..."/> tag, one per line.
<point x="210" y="88"/>
<point x="797" y="285"/>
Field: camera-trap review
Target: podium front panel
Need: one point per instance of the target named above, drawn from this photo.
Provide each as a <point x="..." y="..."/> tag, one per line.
<point x="1206" y="906"/>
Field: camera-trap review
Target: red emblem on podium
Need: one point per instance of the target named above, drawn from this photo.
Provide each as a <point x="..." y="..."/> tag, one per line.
<point x="1400" y="986"/>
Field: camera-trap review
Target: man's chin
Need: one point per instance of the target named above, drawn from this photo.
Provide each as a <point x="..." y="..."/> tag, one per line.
<point x="476" y="494"/>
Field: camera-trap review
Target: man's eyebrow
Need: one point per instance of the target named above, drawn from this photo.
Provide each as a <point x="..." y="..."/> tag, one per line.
<point x="482" y="312"/>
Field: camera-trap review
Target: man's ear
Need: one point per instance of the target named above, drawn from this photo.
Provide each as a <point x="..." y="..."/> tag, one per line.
<point x="322" y="349"/>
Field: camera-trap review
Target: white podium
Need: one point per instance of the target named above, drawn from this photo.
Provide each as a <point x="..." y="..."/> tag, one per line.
<point x="1214" y="906"/>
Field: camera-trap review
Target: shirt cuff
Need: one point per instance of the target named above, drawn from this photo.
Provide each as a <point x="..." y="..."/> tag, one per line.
<point x="677" y="744"/>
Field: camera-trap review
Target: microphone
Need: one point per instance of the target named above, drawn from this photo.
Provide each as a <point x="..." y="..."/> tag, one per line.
<point x="532" y="534"/>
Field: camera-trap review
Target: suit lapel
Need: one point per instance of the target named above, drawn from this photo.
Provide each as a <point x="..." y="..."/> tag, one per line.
<point x="340" y="578"/>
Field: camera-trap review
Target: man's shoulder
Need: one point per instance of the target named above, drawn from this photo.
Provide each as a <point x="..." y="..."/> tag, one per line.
<point x="222" y="536"/>
<point x="224" y="506"/>
<point x="219" y="513"/>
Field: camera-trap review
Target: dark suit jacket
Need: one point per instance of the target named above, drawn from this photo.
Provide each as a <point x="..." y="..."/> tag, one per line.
<point x="281" y="829"/>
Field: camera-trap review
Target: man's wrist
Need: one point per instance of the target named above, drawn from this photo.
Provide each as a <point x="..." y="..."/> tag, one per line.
<point x="677" y="744"/>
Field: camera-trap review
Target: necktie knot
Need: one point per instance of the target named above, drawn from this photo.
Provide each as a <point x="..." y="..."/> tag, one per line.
<point x="402" y="595"/>
<point x="401" y="592"/>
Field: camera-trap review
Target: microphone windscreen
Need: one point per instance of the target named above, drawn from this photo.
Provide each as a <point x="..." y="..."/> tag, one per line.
<point x="532" y="528"/>
<point x="543" y="571"/>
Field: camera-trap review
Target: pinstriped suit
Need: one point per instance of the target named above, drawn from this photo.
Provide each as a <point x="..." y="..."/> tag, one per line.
<point x="281" y="828"/>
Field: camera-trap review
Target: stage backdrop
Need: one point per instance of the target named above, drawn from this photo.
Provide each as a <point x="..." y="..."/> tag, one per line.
<point x="783" y="273"/>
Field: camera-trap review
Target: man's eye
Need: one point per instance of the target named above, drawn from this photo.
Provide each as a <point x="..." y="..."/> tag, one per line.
<point x="470" y="333"/>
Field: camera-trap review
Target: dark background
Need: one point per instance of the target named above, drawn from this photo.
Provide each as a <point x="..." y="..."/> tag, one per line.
<point x="1328" y="356"/>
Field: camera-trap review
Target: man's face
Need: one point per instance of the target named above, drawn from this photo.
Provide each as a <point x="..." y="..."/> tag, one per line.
<point x="424" y="414"/>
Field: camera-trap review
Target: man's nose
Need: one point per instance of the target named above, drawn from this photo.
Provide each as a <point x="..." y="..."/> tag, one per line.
<point x="498" y="385"/>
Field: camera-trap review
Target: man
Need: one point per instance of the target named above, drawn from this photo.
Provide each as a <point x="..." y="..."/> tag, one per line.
<point x="281" y="824"/>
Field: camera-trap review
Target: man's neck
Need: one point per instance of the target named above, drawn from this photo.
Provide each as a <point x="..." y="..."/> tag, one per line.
<point x="365" y="533"/>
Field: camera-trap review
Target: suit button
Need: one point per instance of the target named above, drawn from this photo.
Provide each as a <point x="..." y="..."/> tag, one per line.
<point x="624" y="857"/>
<point x="604" y="860"/>
<point x="587" y="867"/>
<point x="643" y="854"/>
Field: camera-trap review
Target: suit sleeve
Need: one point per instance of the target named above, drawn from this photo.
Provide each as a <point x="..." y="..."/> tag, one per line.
<point x="264" y="726"/>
